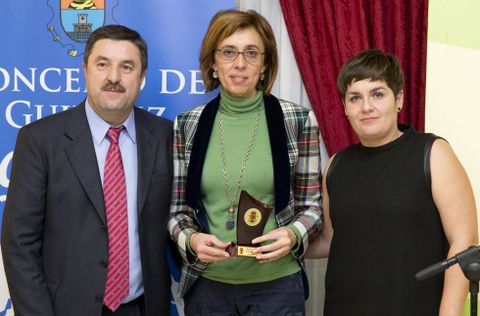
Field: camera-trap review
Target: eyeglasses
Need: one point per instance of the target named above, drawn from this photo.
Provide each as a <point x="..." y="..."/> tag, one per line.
<point x="251" y="56"/>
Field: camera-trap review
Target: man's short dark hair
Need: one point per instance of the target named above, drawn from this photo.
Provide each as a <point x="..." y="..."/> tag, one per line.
<point x="118" y="33"/>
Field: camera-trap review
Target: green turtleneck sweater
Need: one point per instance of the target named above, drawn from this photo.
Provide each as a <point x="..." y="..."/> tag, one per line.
<point x="239" y="117"/>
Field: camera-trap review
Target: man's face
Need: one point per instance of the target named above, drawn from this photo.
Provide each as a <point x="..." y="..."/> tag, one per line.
<point x="113" y="75"/>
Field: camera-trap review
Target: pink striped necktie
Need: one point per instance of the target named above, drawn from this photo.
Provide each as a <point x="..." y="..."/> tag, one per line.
<point x="115" y="195"/>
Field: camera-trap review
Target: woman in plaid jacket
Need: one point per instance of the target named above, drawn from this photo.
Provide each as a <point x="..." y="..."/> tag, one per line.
<point x="244" y="139"/>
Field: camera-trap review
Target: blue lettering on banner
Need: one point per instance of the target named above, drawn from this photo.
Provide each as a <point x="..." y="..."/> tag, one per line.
<point x="4" y="167"/>
<point x="8" y="306"/>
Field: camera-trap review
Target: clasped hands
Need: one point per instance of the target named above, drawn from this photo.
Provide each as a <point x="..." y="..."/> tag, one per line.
<point x="209" y="248"/>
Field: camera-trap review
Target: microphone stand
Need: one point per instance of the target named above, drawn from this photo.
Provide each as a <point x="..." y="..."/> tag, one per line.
<point x="469" y="261"/>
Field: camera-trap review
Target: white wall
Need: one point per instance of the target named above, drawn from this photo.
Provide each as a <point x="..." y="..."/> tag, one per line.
<point x="453" y="84"/>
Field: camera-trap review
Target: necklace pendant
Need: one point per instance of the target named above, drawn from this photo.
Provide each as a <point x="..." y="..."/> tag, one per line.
<point x="230" y="224"/>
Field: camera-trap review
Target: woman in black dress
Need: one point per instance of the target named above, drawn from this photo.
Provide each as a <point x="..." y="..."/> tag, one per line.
<point x="393" y="204"/>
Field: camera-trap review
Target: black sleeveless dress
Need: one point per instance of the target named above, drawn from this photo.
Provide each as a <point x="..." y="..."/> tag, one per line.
<point x="386" y="228"/>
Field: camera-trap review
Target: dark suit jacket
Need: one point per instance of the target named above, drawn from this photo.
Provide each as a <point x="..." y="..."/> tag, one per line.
<point x="54" y="236"/>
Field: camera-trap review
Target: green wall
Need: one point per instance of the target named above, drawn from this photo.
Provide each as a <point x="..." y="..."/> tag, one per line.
<point x="455" y="22"/>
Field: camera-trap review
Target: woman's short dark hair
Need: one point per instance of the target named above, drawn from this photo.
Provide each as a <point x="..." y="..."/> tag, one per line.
<point x="224" y="24"/>
<point x="118" y="33"/>
<point x="372" y="64"/>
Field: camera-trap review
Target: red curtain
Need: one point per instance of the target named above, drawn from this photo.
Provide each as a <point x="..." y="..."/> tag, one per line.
<point x="326" y="33"/>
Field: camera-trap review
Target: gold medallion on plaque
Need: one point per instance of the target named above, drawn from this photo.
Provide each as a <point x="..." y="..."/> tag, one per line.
<point x="252" y="217"/>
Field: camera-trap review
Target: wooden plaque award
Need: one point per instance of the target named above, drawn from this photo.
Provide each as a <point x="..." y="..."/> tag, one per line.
<point x="252" y="216"/>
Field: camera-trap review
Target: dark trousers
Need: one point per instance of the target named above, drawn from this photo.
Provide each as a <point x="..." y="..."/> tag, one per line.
<point x="281" y="297"/>
<point x="132" y="308"/>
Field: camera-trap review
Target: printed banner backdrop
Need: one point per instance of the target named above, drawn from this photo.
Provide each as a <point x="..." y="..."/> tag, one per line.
<point x="42" y="54"/>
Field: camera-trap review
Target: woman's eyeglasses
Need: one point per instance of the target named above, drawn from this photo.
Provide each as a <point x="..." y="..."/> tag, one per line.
<point x="251" y="56"/>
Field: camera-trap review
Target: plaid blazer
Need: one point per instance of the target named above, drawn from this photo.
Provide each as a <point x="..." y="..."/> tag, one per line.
<point x="294" y="140"/>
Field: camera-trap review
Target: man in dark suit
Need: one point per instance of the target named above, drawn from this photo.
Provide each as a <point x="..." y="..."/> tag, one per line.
<point x="84" y="226"/>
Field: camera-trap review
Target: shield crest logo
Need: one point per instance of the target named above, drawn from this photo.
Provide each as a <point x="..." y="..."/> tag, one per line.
<point x="79" y="18"/>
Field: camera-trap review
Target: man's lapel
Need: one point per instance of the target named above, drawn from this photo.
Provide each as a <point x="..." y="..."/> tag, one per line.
<point x="146" y="153"/>
<point x="81" y="154"/>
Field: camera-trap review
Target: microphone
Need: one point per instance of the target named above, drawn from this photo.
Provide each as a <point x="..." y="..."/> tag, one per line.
<point x="445" y="264"/>
<point x="435" y="269"/>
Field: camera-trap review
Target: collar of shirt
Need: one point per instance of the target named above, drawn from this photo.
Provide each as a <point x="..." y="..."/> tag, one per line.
<point x="99" y="127"/>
